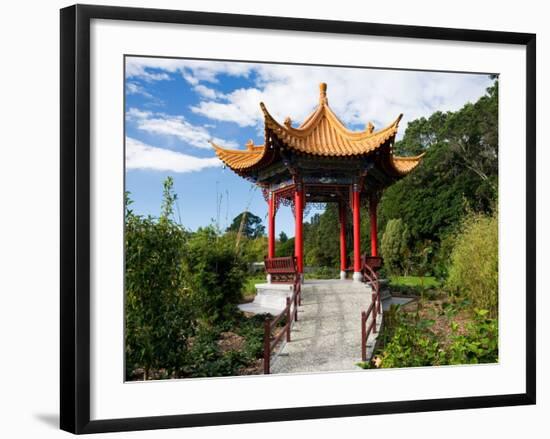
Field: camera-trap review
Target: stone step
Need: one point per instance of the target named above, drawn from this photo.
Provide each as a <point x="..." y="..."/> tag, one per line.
<point x="389" y="301"/>
<point x="254" y="308"/>
<point x="272" y="297"/>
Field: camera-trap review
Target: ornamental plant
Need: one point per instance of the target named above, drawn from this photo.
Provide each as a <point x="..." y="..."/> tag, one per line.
<point x="473" y="269"/>
<point x="157" y="306"/>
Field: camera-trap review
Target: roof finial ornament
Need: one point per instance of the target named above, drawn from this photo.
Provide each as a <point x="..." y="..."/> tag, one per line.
<point x="250" y="144"/>
<point x="370" y="128"/>
<point x="288" y="122"/>
<point x="323" y="93"/>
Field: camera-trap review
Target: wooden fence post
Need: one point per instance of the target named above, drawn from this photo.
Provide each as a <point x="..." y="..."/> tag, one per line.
<point x="374" y="312"/>
<point x="288" y="319"/>
<point x="363" y="335"/>
<point x="267" y="343"/>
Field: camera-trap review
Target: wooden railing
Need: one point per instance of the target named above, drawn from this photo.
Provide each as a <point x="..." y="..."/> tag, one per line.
<point x="366" y="330"/>
<point x="368" y="318"/>
<point x="290" y="314"/>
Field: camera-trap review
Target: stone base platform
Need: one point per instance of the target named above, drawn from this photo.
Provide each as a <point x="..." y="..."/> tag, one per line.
<point x="270" y="298"/>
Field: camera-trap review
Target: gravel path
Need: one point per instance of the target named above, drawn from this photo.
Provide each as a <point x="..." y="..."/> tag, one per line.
<point x="327" y="336"/>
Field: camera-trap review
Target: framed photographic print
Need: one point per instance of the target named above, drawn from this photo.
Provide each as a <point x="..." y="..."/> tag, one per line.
<point x="268" y="218"/>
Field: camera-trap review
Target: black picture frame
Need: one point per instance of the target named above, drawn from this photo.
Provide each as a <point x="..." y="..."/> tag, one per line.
<point x="75" y="217"/>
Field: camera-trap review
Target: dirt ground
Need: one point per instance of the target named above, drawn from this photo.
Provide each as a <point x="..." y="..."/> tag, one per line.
<point x="435" y="310"/>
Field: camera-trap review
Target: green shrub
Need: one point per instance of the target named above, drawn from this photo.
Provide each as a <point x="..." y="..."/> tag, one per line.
<point x="285" y="248"/>
<point x="181" y="291"/>
<point x="473" y="269"/>
<point x="412" y="344"/>
<point x="252" y="329"/>
<point x="254" y="249"/>
<point x="479" y="344"/>
<point x="205" y="357"/>
<point x="215" y="274"/>
<point x="157" y="307"/>
<point x="394" y="246"/>
<point x="323" y="273"/>
<point x="440" y="261"/>
<point x="410" y="341"/>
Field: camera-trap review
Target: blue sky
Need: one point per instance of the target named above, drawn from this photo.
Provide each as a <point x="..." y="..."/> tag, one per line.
<point x="175" y="106"/>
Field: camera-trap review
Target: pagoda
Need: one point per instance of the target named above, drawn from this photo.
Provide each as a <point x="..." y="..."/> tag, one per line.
<point x="322" y="161"/>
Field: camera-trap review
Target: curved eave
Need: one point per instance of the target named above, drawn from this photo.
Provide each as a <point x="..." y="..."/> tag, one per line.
<point x="240" y="161"/>
<point x="323" y="134"/>
<point x="402" y="166"/>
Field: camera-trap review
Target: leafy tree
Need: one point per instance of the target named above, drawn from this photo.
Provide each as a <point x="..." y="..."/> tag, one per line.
<point x="283" y="237"/>
<point x="472" y="134"/>
<point x="248" y="225"/>
<point x="180" y="286"/>
<point x="394" y="245"/>
<point x="169" y="198"/>
<point x="457" y="174"/>
<point x="285" y="248"/>
<point x="321" y="238"/>
<point x="422" y="134"/>
<point x="157" y="305"/>
<point x="255" y="249"/>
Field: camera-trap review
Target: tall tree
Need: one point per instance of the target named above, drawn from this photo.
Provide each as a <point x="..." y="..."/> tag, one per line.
<point x="459" y="173"/>
<point x="321" y="238"/>
<point x="157" y="307"/>
<point x="248" y="225"/>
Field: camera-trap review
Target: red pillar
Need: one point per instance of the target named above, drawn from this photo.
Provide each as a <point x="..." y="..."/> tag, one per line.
<point x="271" y="227"/>
<point x="356" y="235"/>
<point x="298" y="221"/>
<point x="343" y="250"/>
<point x="373" y="206"/>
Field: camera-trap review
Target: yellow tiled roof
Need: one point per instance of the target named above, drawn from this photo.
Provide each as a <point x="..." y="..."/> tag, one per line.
<point x="322" y="133"/>
<point x="404" y="165"/>
<point x="240" y="159"/>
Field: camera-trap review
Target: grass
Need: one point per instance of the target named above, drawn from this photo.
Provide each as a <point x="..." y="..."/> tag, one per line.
<point x="249" y="289"/>
<point x="414" y="281"/>
<point x="323" y="273"/>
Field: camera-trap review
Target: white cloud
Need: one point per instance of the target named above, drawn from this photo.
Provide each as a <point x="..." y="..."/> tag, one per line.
<point x="207" y="92"/>
<point x="151" y="69"/>
<point x="241" y="106"/>
<point x="142" y="156"/>
<point x="134" y="114"/>
<point x="193" y="71"/>
<point x="357" y="95"/>
<point x="133" y="88"/>
<point x="176" y="126"/>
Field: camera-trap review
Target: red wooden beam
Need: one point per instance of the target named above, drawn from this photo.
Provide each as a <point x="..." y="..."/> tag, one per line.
<point x="298" y="221"/>
<point x="373" y="207"/>
<point x="343" y="250"/>
<point x="356" y="234"/>
<point x="271" y="226"/>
